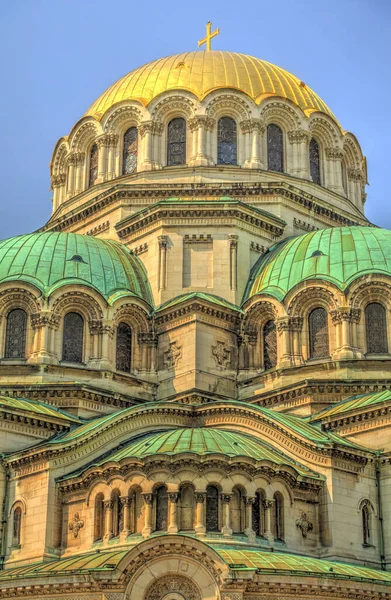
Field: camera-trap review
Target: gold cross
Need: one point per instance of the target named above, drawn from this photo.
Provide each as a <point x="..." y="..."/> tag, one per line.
<point x="209" y="35"/>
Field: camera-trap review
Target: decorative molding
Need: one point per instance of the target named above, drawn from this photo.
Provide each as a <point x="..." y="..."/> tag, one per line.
<point x="304" y="524"/>
<point x="221" y="355"/>
<point x="304" y="225"/>
<point x="172" y="355"/>
<point x="76" y="525"/>
<point x="98" y="228"/>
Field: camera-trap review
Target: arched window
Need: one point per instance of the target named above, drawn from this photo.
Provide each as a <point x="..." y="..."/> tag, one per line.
<point x="99" y="527"/>
<point x="318" y="333"/>
<point x="226" y="141"/>
<point x="93" y="172"/>
<point x="366" y="524"/>
<point x="314" y="155"/>
<point x="212" y="508"/>
<point x="15" y="337"/>
<point x="258" y="514"/>
<point x="161" y="508"/>
<point x="269" y="336"/>
<point x="278" y="516"/>
<point x="72" y="343"/>
<point x="136" y="513"/>
<point x="344" y="177"/>
<point x="123" y="347"/>
<point x="129" y="154"/>
<point x="237" y="511"/>
<point x="275" y="148"/>
<point x="16" y="526"/>
<point x="176" y="142"/>
<point x="117" y="513"/>
<point x="187" y="508"/>
<point x="376" y="328"/>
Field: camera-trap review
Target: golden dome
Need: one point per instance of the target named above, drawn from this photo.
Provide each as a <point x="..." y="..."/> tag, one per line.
<point x="204" y="71"/>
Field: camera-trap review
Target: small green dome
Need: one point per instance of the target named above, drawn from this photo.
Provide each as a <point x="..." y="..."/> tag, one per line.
<point x="338" y="255"/>
<point x="50" y="260"/>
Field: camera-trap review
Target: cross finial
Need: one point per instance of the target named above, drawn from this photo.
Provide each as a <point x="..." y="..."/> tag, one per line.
<point x="209" y="35"/>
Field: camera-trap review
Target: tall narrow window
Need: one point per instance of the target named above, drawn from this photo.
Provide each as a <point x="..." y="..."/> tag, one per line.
<point x="161" y="508"/>
<point x="318" y="333"/>
<point x="129" y="155"/>
<point x="236" y="509"/>
<point x="376" y="328"/>
<point x="275" y="148"/>
<point x="117" y="513"/>
<point x="278" y="516"/>
<point x="366" y="524"/>
<point x="258" y="513"/>
<point x="187" y="508"/>
<point x="212" y="508"/>
<point x="123" y="347"/>
<point x="72" y="344"/>
<point x="226" y="141"/>
<point x="176" y="142"/>
<point x="269" y="345"/>
<point x="15" y="337"/>
<point x="16" y="526"/>
<point x="314" y="161"/>
<point x="98" y="518"/>
<point x="344" y="178"/>
<point x="93" y="173"/>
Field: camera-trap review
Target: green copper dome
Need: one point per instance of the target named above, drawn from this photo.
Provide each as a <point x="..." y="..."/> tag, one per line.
<point x="338" y="255"/>
<point x="51" y="260"/>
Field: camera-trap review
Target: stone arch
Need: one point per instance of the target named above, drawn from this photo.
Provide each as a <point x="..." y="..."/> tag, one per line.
<point x="19" y="298"/>
<point x="282" y="113"/>
<point x="58" y="164"/>
<point x="352" y="149"/>
<point x="83" y="134"/>
<point x="172" y="105"/>
<point x="137" y="319"/>
<point x="232" y="104"/>
<point x="325" y="129"/>
<point x="258" y="313"/>
<point x="168" y="587"/>
<point x="121" y="116"/>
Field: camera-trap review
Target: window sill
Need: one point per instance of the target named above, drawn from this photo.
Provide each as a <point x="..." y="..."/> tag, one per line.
<point x="13" y="361"/>
<point x="65" y="363"/>
<point x="16" y="547"/>
<point x="383" y="356"/>
<point x="368" y="546"/>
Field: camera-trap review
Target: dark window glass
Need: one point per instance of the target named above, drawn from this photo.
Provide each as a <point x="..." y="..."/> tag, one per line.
<point x="227" y="141"/>
<point x="187" y="508"/>
<point x="17" y="524"/>
<point x="319" y="333"/>
<point x="278" y="516"/>
<point x="129" y="156"/>
<point x="269" y="345"/>
<point x="376" y="328"/>
<point x="258" y="520"/>
<point x="314" y="161"/>
<point x="72" y="345"/>
<point x="275" y="148"/>
<point x="124" y="347"/>
<point x="366" y="525"/>
<point x="212" y="508"/>
<point x="15" y="338"/>
<point x="161" y="509"/>
<point x="99" y="518"/>
<point x="93" y="174"/>
<point x="176" y="142"/>
<point x="117" y="513"/>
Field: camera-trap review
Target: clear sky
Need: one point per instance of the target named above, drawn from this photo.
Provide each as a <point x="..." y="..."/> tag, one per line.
<point x="58" y="56"/>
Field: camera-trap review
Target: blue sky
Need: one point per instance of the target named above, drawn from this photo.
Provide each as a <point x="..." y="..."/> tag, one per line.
<point x="58" y="56"/>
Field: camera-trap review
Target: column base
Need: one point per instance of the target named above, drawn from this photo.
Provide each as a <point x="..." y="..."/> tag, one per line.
<point x="345" y="353"/>
<point x="146" y="166"/>
<point x="146" y="532"/>
<point x="200" y="161"/>
<point x="44" y="358"/>
<point x="103" y="364"/>
<point x="250" y="534"/>
<point x="108" y="537"/>
<point x="200" y="531"/>
<point x="123" y="535"/>
<point x="253" y="164"/>
<point x="172" y="529"/>
<point x="286" y="362"/>
<point x="226" y="531"/>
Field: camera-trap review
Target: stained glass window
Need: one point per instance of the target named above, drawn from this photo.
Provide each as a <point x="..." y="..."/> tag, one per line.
<point x="16" y="526"/>
<point x="187" y="508"/>
<point x="226" y="141"/>
<point x="15" y="337"/>
<point x="269" y="345"/>
<point x="176" y="142"/>
<point x="161" y="508"/>
<point x="275" y="148"/>
<point x="376" y="328"/>
<point x="258" y="514"/>
<point x="366" y="524"/>
<point x="212" y="508"/>
<point x="72" y="344"/>
<point x="278" y="516"/>
<point x="93" y="174"/>
<point x="117" y="513"/>
<point x="129" y="155"/>
<point x="314" y="161"/>
<point x="318" y="333"/>
<point x="99" y="517"/>
<point x="124" y="347"/>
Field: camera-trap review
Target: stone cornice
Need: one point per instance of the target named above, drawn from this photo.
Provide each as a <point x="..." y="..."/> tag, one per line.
<point x="189" y="307"/>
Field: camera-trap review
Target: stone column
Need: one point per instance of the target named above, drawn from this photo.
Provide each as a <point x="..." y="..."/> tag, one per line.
<point x="342" y="318"/>
<point x="112" y="142"/>
<point x="283" y="330"/>
<point x="200" y="528"/>
<point x="162" y="268"/>
<point x="148" y="499"/>
<point x="268" y="505"/>
<point x="58" y="185"/>
<point x="107" y="332"/>
<point x="233" y="260"/>
<point x="108" y="505"/>
<point x="334" y="158"/>
<point x="173" y="512"/>
<point x="199" y="126"/>
<point x="80" y="159"/>
<point x="226" y="529"/>
<point x="355" y="184"/>
<point x="45" y="321"/>
<point x="126" y="502"/>
<point x="295" y="327"/>
<point x="146" y="137"/>
<point x="71" y="160"/>
<point x="254" y="128"/>
<point x="102" y="143"/>
<point x="249" y="531"/>
<point x="300" y="162"/>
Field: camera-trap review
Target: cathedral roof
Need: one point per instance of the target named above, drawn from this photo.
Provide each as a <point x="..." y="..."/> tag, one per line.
<point x="338" y="255"/>
<point x="202" y="72"/>
<point x="51" y="260"/>
<point x="35" y="409"/>
<point x="354" y="404"/>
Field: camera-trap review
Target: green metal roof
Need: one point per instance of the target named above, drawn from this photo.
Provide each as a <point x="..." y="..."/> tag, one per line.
<point x="198" y="296"/>
<point x="36" y="408"/>
<point x="45" y="261"/>
<point x="354" y="404"/>
<point x="338" y="255"/>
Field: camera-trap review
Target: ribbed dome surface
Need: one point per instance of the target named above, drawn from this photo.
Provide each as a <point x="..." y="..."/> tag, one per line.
<point x="51" y="260"/>
<point x="203" y="72"/>
<point x="339" y="255"/>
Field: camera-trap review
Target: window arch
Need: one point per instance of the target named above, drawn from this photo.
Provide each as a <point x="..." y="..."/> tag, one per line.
<point x="212" y="508"/>
<point x="269" y="336"/>
<point x="275" y="148"/>
<point x="130" y="149"/>
<point x="176" y="142"/>
<point x="72" y="344"/>
<point x="278" y="516"/>
<point x="161" y="508"/>
<point x="226" y="141"/>
<point x="376" y="328"/>
<point x="314" y="156"/>
<point x="16" y="526"/>
<point x="123" y="347"/>
<point x="258" y="513"/>
<point x="99" y="517"/>
<point x="187" y="507"/>
<point x="93" y="165"/>
<point x="366" y="524"/>
<point x="15" y="337"/>
<point x="318" y="333"/>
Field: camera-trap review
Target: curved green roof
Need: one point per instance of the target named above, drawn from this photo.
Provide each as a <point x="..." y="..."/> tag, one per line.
<point x="50" y="260"/>
<point x="338" y="255"/>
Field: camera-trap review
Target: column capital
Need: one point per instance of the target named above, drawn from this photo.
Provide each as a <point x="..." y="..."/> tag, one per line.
<point x="254" y="124"/>
<point x="296" y="323"/>
<point x="153" y="127"/>
<point x="108" y="504"/>
<point x="282" y="324"/>
<point x="162" y="241"/>
<point x="173" y="497"/>
<point x="201" y="121"/>
<point x="267" y="503"/>
<point x="200" y="497"/>
<point x="233" y="240"/>
<point x="345" y="313"/>
<point x="298" y="136"/>
<point x="334" y="153"/>
<point x="58" y="180"/>
<point x="148" y="498"/>
<point x="126" y="500"/>
<point x="249" y="500"/>
<point x="225" y="498"/>
<point x="147" y="338"/>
